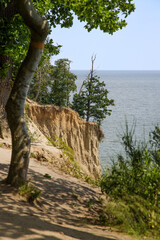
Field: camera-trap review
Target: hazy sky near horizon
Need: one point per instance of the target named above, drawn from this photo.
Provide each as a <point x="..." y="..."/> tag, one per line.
<point x="135" y="47"/>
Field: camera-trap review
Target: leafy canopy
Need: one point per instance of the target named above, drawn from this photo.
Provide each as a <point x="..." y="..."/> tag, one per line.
<point x="108" y="15"/>
<point x="63" y="83"/>
<point x="53" y="84"/>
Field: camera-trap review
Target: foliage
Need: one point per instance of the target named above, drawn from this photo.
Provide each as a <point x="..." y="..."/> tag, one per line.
<point x="92" y="102"/>
<point x="15" y="39"/>
<point x="4" y="3"/>
<point x="103" y="14"/>
<point x="30" y="192"/>
<point x="69" y="165"/>
<point x="46" y="175"/>
<point x="131" y="214"/>
<point x="138" y="173"/>
<point x="132" y="186"/>
<point x="63" y="83"/>
<point x="39" y="87"/>
<point x="14" y="42"/>
<point x="32" y="155"/>
<point x="109" y="16"/>
<point x="155" y="143"/>
<point x="53" y="84"/>
<point x="59" y="143"/>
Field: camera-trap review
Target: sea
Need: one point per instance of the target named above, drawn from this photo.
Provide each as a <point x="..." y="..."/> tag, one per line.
<point x="137" y="101"/>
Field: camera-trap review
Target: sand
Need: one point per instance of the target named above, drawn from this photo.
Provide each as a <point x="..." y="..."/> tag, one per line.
<point x="64" y="210"/>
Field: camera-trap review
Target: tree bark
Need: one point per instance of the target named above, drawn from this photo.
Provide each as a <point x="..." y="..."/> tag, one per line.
<point x="93" y="58"/>
<point x="15" y="106"/>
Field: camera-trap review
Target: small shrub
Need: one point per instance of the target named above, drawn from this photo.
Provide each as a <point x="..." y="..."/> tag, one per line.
<point x="59" y="143"/>
<point x="26" y="106"/>
<point x="46" y="175"/>
<point x="32" y="155"/>
<point x="30" y="192"/>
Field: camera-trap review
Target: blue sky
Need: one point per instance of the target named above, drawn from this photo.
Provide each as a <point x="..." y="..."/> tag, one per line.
<point x="135" y="47"/>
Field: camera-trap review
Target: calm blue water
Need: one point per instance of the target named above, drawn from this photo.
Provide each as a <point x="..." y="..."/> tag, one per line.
<point x="137" y="98"/>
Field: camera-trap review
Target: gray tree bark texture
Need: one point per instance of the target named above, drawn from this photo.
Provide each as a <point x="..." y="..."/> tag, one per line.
<point x="15" y="106"/>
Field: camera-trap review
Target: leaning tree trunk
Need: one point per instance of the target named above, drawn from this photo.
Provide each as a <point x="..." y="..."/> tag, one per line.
<point x="15" y="106"/>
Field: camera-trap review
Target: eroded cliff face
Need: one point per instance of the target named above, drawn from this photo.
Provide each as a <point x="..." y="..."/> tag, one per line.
<point x="83" y="137"/>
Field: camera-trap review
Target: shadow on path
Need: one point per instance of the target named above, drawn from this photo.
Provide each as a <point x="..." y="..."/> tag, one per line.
<point x="57" y="216"/>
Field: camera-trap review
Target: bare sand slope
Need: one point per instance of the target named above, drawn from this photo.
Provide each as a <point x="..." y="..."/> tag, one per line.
<point x="62" y="212"/>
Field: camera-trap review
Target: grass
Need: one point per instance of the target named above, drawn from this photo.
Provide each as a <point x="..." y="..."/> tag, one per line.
<point x="132" y="186"/>
<point x="69" y="165"/>
<point x="30" y="192"/>
<point x="131" y="215"/>
<point x="32" y="155"/>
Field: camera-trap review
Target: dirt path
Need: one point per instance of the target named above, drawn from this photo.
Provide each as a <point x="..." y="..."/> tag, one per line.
<point x="62" y="212"/>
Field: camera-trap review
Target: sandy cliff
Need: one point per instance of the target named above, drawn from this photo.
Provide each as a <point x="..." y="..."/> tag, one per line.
<point x="81" y="136"/>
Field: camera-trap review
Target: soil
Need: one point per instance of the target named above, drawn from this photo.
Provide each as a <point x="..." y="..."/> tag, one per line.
<point x="66" y="209"/>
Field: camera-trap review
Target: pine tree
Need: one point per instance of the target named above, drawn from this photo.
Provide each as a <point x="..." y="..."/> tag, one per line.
<point x="92" y="101"/>
<point x="63" y="83"/>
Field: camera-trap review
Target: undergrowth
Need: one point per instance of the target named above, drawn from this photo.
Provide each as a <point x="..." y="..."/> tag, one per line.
<point x="132" y="184"/>
<point x="30" y="192"/>
<point x="69" y="165"/>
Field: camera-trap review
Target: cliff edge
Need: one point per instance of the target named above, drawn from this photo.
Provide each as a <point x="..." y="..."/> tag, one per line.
<point x="65" y="124"/>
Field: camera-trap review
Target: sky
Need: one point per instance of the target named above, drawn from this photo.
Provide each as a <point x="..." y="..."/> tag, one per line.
<point x="135" y="47"/>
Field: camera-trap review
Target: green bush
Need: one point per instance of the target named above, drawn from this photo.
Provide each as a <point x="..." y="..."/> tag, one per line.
<point x="133" y="183"/>
<point x="136" y="173"/>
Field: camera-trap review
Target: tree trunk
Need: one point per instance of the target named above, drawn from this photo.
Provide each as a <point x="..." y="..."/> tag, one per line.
<point x="90" y="77"/>
<point x="88" y="109"/>
<point x="15" y="106"/>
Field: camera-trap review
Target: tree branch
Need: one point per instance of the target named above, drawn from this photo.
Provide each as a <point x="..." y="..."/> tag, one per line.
<point x="38" y="26"/>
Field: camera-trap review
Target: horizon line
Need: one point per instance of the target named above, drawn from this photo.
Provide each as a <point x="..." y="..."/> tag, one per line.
<point x="116" y="70"/>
